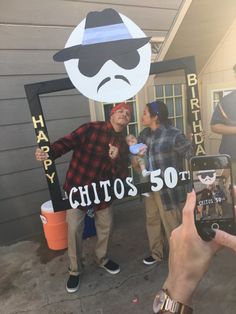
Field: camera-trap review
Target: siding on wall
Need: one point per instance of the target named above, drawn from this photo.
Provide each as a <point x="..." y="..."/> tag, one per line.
<point x="30" y="34"/>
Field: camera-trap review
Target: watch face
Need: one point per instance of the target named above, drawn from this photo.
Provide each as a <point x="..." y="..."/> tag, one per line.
<point x="158" y="301"/>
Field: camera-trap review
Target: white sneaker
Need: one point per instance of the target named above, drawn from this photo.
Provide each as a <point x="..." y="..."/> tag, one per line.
<point x="73" y="284"/>
<point x="111" y="267"/>
<point x="150" y="260"/>
<point x="146" y="173"/>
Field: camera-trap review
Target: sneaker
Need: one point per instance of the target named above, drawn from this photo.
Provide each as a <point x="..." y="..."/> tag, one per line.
<point x="111" y="267"/>
<point x="149" y="260"/>
<point x="146" y="173"/>
<point x="73" y="284"/>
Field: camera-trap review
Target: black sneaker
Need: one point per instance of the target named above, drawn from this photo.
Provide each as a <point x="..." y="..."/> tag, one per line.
<point x="73" y="284"/>
<point x="111" y="267"/>
<point x="149" y="260"/>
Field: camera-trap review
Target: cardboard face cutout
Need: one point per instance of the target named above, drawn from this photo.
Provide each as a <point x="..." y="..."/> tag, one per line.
<point x="107" y="57"/>
<point x="116" y="188"/>
<point x="207" y="177"/>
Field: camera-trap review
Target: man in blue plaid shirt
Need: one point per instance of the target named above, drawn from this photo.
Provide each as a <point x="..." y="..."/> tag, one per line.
<point x="167" y="147"/>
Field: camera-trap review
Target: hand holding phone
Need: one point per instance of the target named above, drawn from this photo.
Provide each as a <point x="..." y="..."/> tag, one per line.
<point x="212" y="181"/>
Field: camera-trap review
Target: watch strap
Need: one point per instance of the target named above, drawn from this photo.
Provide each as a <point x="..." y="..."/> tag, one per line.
<point x="175" y="307"/>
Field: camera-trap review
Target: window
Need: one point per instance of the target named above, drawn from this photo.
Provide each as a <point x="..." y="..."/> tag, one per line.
<point x="173" y="96"/>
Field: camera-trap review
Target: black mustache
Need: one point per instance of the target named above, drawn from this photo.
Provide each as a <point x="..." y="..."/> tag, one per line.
<point x="107" y="79"/>
<point x="121" y="77"/>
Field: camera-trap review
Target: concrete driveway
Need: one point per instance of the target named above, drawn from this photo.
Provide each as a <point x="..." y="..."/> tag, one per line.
<point x="33" y="278"/>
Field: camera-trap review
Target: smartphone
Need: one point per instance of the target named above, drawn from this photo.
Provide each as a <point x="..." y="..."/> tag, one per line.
<point x="211" y="176"/>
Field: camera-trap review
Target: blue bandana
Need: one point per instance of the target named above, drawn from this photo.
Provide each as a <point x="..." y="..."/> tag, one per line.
<point x="154" y="106"/>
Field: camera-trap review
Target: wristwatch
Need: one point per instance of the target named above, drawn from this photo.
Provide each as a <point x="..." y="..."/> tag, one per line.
<point x="163" y="303"/>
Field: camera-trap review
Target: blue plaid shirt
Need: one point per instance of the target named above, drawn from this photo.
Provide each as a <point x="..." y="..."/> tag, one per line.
<point x="167" y="147"/>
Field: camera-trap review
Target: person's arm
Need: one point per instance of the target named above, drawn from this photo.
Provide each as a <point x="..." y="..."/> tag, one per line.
<point x="220" y="122"/>
<point x="182" y="146"/>
<point x="190" y="256"/>
<point x="142" y="150"/>
<point x="64" y="144"/>
<point x="223" y="129"/>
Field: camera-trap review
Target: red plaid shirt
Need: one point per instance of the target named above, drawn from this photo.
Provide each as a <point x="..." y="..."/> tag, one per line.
<point x="90" y="161"/>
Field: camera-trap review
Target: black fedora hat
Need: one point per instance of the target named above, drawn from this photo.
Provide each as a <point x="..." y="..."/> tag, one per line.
<point x="105" y="35"/>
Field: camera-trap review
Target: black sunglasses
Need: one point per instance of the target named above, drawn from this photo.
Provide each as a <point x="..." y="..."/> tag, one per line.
<point x="209" y="174"/>
<point x="91" y="67"/>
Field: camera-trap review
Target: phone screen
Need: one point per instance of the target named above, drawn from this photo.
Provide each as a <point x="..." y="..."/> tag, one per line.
<point x="213" y="190"/>
<point x="212" y="180"/>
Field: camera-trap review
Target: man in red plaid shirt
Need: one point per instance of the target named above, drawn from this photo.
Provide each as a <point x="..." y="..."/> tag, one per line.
<point x="99" y="153"/>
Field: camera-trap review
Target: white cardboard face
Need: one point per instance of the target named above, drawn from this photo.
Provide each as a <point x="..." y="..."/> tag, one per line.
<point x="208" y="180"/>
<point x="115" y="89"/>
